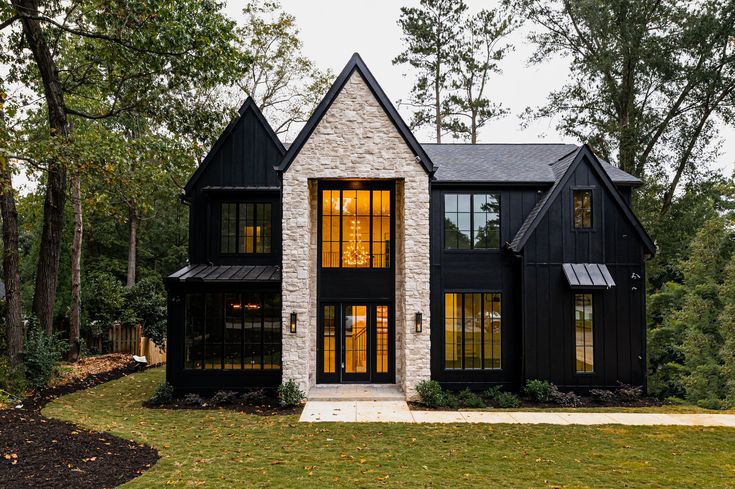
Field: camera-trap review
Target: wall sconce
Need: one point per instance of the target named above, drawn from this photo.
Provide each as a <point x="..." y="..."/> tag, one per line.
<point x="419" y="322"/>
<point x="293" y="323"/>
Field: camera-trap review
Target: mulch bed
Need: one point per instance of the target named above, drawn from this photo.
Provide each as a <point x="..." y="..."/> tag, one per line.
<point x="36" y="451"/>
<point x="588" y="402"/>
<point x="267" y="405"/>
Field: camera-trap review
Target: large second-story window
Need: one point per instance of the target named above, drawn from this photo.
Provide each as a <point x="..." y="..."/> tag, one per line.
<point x="245" y="228"/>
<point x="471" y="221"/>
<point x="356" y="229"/>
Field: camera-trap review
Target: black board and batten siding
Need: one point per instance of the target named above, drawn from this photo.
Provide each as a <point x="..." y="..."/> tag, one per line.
<point x="548" y="302"/>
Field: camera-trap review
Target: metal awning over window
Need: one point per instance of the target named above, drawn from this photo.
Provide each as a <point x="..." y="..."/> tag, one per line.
<point x="588" y="276"/>
<point x="228" y="274"/>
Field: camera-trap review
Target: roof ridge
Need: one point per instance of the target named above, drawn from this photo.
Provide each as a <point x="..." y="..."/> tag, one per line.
<point x="499" y="144"/>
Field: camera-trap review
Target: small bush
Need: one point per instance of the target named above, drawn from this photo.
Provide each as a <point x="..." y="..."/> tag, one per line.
<point x="431" y="393"/>
<point x="566" y="399"/>
<point x="289" y="393"/>
<point x="449" y="400"/>
<point x="192" y="400"/>
<point x="538" y="390"/>
<point x="223" y="397"/>
<point x="255" y="396"/>
<point x="603" y="396"/>
<point x="470" y="399"/>
<point x="507" y="400"/>
<point x="164" y="394"/>
<point x="492" y="393"/>
<point x="41" y="353"/>
<point x="629" y="393"/>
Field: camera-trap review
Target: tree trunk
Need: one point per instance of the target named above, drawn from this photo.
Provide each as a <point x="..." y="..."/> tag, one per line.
<point x="76" y="269"/>
<point x="47" y="270"/>
<point x="132" y="242"/>
<point x="11" y="266"/>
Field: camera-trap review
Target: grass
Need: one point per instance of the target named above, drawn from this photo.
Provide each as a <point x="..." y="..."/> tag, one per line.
<point x="224" y="448"/>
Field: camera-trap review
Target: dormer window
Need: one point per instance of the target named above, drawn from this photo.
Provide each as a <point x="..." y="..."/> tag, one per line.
<point x="245" y="228"/>
<point x="582" y="209"/>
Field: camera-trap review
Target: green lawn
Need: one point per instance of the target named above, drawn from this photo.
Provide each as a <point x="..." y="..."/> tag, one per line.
<point x="227" y="449"/>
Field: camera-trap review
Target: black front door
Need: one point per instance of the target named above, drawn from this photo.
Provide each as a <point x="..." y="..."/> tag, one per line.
<point x="355" y="343"/>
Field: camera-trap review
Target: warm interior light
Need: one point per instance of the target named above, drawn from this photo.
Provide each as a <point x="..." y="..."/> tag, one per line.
<point x="252" y="307"/>
<point x="237" y="306"/>
<point x="293" y="322"/>
<point x="419" y="322"/>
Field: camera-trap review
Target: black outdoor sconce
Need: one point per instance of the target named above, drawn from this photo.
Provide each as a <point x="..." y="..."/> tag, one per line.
<point x="293" y="323"/>
<point x="419" y="322"/>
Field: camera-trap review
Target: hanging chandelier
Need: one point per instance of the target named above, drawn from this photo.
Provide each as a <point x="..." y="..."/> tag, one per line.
<point x="356" y="255"/>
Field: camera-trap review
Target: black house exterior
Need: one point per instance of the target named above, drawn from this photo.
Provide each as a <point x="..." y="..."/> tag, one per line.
<point x="361" y="255"/>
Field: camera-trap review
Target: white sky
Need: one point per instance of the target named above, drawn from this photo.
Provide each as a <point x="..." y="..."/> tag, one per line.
<point x="332" y="30"/>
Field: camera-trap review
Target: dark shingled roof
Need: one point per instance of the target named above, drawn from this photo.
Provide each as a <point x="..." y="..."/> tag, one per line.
<point x="227" y="274"/>
<point x="509" y="163"/>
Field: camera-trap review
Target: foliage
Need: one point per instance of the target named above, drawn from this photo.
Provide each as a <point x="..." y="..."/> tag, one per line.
<point x="629" y="393"/>
<point x="507" y="400"/>
<point x="566" y="399"/>
<point x="255" y="396"/>
<point x="163" y="394"/>
<point x="41" y="354"/>
<point x="289" y="393"/>
<point x="492" y="393"/>
<point x="604" y="396"/>
<point x="104" y="300"/>
<point x="12" y="380"/>
<point x="192" y="399"/>
<point x="538" y="390"/>
<point x="431" y="393"/>
<point x="470" y="399"/>
<point x="145" y="303"/>
<point x="223" y="397"/>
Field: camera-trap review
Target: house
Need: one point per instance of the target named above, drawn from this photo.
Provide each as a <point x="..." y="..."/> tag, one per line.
<point x="358" y="254"/>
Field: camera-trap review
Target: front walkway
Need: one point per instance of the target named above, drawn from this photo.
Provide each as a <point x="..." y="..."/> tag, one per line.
<point x="392" y="411"/>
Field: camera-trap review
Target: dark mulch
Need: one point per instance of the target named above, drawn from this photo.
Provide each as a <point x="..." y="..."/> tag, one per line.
<point x="588" y="402"/>
<point x="39" y="452"/>
<point x="36" y="451"/>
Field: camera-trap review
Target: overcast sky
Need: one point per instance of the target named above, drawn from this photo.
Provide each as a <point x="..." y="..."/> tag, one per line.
<point x="332" y="30"/>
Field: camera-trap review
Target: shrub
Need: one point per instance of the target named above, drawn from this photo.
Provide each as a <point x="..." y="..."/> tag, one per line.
<point x="449" y="400"/>
<point x="255" y="396"/>
<point x="103" y="301"/>
<point x="603" y="396"/>
<point x="507" y="400"/>
<point x="538" y="390"/>
<point x="164" y="394"/>
<point x="430" y="393"/>
<point x="12" y="380"/>
<point x="470" y="399"/>
<point x="223" y="397"/>
<point x="289" y="393"/>
<point x="193" y="400"/>
<point x="145" y="303"/>
<point x="629" y="393"/>
<point x="492" y="393"/>
<point x="41" y="353"/>
<point x="566" y="399"/>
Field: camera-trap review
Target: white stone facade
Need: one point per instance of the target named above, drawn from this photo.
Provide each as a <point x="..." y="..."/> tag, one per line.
<point x="356" y="139"/>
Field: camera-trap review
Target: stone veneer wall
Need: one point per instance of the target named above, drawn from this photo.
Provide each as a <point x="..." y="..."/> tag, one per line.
<point x="356" y="139"/>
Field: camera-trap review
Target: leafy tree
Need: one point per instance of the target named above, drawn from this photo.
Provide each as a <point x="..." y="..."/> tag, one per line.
<point x="285" y="83"/>
<point x="727" y="331"/>
<point x="430" y="34"/>
<point x="481" y="46"/>
<point x="647" y="79"/>
<point x="145" y="303"/>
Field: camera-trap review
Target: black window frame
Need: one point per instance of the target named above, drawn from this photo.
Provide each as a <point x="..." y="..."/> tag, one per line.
<point x="593" y="333"/>
<point x="238" y="230"/>
<point x="591" y="192"/>
<point x="462" y="292"/>
<point x="221" y="344"/>
<point x="472" y="247"/>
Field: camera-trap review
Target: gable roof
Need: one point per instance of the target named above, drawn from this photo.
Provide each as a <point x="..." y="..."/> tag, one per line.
<point x="356" y="64"/>
<point x="563" y="170"/>
<point x="248" y="105"/>
<point x="532" y="163"/>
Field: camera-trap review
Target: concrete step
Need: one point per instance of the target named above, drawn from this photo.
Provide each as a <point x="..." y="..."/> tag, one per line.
<point x="356" y="392"/>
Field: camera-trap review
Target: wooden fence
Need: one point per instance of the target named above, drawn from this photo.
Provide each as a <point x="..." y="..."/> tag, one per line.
<point x="130" y="339"/>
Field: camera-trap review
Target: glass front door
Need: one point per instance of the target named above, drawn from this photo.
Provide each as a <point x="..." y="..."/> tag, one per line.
<point x="355" y="343"/>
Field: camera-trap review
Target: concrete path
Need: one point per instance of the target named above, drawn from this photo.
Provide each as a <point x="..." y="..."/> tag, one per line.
<point x="391" y="411"/>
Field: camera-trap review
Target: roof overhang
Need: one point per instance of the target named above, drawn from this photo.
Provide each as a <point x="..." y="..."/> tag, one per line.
<point x="227" y="274"/>
<point x="588" y="276"/>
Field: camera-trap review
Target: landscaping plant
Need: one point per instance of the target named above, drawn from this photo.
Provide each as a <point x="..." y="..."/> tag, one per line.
<point x="164" y="394"/>
<point x="470" y="399"/>
<point x="41" y="354"/>
<point x="193" y="400"/>
<point x="223" y="397"/>
<point x="430" y="393"/>
<point x="289" y="394"/>
<point x="566" y="399"/>
<point x="507" y="400"/>
<point x="538" y="390"/>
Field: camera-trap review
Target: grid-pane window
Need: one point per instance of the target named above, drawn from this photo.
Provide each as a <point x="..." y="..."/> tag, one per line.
<point x="472" y="330"/>
<point x="356" y="228"/>
<point x="471" y="221"/>
<point x="246" y="228"/>
<point x="381" y="339"/>
<point x="329" y="347"/>
<point x="583" y="333"/>
<point x="233" y="331"/>
<point x="582" y="209"/>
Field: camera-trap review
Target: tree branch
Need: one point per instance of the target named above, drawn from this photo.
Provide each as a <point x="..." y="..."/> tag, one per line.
<point x="9" y="21"/>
